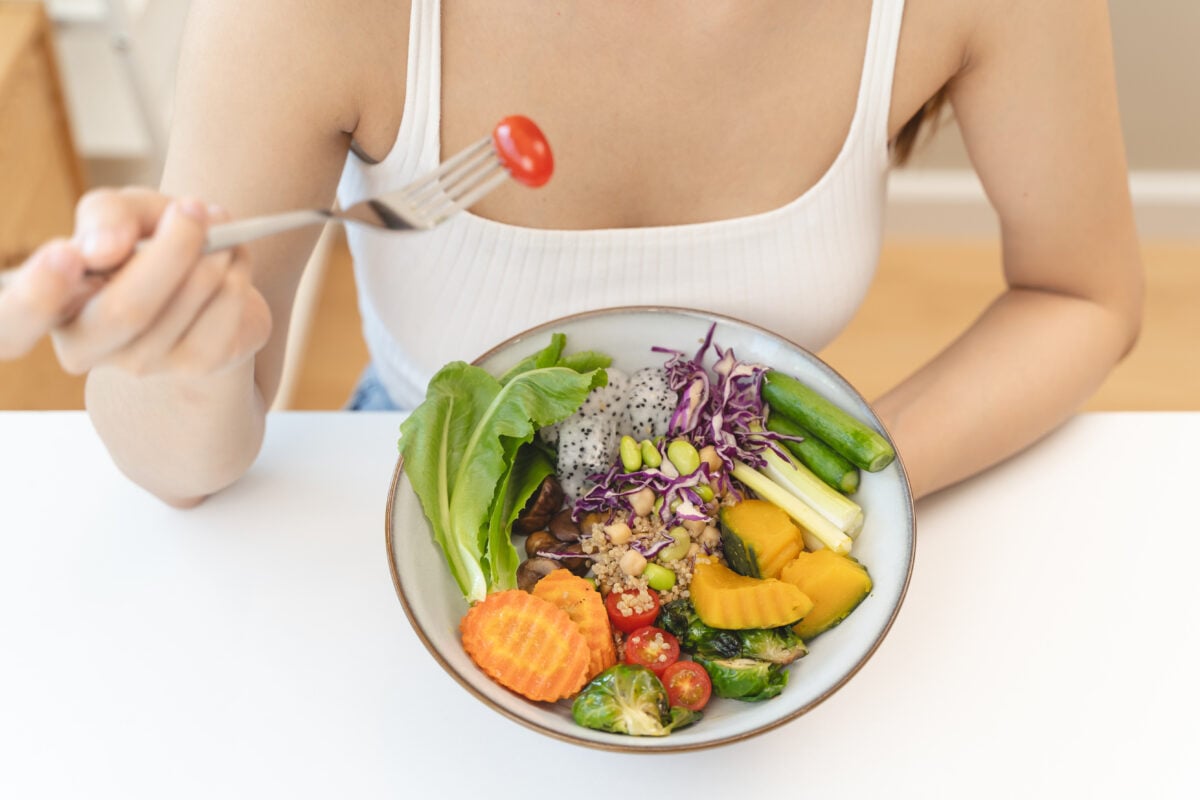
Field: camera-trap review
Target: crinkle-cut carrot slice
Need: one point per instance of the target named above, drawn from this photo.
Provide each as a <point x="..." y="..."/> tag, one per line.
<point x="526" y="644"/>
<point x="585" y="606"/>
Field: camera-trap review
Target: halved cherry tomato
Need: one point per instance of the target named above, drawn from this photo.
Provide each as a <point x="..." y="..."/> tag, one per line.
<point x="627" y="623"/>
<point x="523" y="150"/>
<point x="688" y="685"/>
<point x="652" y="647"/>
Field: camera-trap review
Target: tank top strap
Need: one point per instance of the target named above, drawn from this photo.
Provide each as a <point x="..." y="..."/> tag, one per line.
<point x="420" y="130"/>
<point x="879" y="68"/>
<point x="417" y="142"/>
<point x="817" y="252"/>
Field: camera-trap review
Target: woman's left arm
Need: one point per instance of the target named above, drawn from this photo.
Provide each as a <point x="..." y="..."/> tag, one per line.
<point x="1036" y="102"/>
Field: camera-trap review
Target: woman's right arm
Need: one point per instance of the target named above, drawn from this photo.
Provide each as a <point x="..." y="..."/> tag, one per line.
<point x="268" y="96"/>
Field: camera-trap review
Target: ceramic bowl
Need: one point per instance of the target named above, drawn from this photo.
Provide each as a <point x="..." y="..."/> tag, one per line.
<point x="434" y="605"/>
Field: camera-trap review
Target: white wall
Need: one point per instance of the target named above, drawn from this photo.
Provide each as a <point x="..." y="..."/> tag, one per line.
<point x="118" y="59"/>
<point x="1158" y="81"/>
<point x="1155" y="45"/>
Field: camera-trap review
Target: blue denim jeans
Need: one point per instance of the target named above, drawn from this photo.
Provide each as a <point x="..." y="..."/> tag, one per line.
<point x="370" y="395"/>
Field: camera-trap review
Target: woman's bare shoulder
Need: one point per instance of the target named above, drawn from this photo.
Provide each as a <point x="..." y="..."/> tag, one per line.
<point x="942" y="41"/>
<point x="336" y="64"/>
<point x="934" y="46"/>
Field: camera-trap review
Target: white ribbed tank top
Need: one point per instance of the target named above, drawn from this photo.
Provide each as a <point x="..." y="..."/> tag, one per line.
<point x="800" y="270"/>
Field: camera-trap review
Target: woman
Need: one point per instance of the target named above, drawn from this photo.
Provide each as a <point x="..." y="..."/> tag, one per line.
<point x="728" y="155"/>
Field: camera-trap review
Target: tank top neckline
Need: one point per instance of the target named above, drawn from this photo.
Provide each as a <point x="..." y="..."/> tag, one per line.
<point x="801" y="269"/>
<point x="424" y="87"/>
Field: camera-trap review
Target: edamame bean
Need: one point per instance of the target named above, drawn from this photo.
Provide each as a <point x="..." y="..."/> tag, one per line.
<point x="705" y="491"/>
<point x="679" y="549"/>
<point x="650" y="455"/>
<point x="631" y="454"/>
<point x="684" y="456"/>
<point x="659" y="578"/>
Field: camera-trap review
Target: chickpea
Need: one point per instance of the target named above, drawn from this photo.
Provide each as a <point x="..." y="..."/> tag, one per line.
<point x="618" y="533"/>
<point x="710" y="537"/>
<point x="643" y="501"/>
<point x="632" y="563"/>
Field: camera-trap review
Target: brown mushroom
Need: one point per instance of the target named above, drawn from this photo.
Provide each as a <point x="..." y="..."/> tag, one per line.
<point x="580" y="565"/>
<point x="541" y="507"/>
<point x="538" y="542"/>
<point x="563" y="527"/>
<point x="533" y="570"/>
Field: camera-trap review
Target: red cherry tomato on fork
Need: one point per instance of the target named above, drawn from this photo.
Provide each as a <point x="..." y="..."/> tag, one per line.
<point x="653" y="648"/>
<point x="523" y="150"/>
<point x="688" y="685"/>
<point x="628" y="623"/>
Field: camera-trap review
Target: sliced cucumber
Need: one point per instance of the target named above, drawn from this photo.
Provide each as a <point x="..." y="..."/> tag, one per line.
<point x="862" y="445"/>
<point x="825" y="462"/>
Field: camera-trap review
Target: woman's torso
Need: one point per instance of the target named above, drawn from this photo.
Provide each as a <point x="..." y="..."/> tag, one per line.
<point x="729" y="157"/>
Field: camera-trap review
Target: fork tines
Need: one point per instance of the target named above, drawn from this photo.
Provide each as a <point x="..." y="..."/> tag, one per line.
<point x="460" y="181"/>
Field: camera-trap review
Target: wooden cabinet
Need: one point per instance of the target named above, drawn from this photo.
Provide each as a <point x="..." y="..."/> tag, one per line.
<point x="40" y="181"/>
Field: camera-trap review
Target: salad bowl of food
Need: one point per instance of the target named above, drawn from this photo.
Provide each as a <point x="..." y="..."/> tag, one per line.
<point x="648" y="529"/>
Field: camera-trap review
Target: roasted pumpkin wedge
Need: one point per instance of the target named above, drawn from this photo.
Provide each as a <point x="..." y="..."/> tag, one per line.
<point x="758" y="538"/>
<point x="835" y="584"/>
<point x="724" y="599"/>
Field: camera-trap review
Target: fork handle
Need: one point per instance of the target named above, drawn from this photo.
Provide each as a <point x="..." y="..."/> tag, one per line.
<point x="230" y="234"/>
<point x="240" y="231"/>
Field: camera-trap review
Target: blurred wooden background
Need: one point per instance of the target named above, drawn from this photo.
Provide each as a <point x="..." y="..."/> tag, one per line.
<point x="40" y="179"/>
<point x="925" y="294"/>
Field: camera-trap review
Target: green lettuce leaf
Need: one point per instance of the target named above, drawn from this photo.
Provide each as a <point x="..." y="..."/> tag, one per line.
<point x="530" y="467"/>
<point x="548" y="356"/>
<point x="460" y="445"/>
<point x="552" y="356"/>
<point x="585" y="361"/>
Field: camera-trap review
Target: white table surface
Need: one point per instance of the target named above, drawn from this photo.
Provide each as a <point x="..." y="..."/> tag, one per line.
<point x="254" y="647"/>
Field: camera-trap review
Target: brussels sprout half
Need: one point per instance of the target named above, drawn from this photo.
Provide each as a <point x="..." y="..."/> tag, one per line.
<point x="679" y="618"/>
<point x="745" y="678"/>
<point x="629" y="699"/>
<point x="777" y="645"/>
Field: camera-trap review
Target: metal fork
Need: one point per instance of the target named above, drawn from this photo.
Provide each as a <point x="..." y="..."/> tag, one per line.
<point x="516" y="148"/>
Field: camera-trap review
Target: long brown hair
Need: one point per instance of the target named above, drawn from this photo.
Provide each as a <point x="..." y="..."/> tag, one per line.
<point x="922" y="125"/>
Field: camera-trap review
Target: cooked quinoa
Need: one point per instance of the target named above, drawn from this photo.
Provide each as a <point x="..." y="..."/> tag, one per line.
<point x="646" y="531"/>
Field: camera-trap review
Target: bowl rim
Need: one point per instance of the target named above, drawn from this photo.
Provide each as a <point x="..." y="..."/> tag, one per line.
<point x="621" y="746"/>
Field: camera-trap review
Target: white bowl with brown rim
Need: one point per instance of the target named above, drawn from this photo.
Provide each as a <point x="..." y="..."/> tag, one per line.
<point x="434" y="605"/>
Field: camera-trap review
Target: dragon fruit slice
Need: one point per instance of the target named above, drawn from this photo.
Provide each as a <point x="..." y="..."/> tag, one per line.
<point x="602" y="401"/>
<point x="587" y="444"/>
<point x="650" y="403"/>
<point x="609" y="399"/>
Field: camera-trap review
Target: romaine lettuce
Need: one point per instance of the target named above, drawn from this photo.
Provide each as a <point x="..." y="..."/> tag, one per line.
<point x="460" y="447"/>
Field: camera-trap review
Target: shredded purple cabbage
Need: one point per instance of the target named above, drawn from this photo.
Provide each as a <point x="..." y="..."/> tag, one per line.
<point x="612" y="489"/>
<point x="556" y="556"/>
<point x="720" y="414"/>
<point x="729" y="409"/>
<point x="650" y="551"/>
